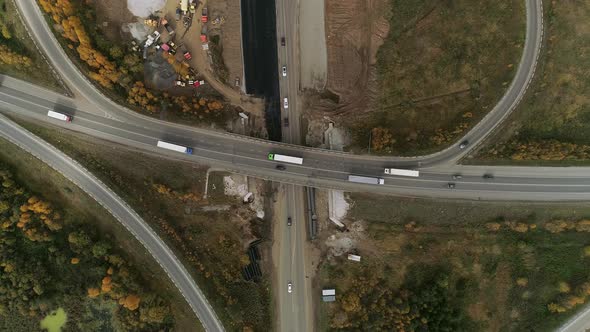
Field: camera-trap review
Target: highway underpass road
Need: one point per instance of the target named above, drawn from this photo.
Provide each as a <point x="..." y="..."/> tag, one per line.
<point x="295" y="313"/>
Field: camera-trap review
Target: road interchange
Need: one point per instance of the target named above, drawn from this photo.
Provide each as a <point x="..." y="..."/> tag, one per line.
<point x="97" y="115"/>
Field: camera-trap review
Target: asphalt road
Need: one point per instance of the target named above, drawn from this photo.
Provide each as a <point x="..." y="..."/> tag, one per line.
<point x="295" y="309"/>
<point x="121" y="211"/>
<point x="91" y="100"/>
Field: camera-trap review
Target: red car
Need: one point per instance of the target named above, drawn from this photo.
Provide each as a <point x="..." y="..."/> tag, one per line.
<point x="187" y="55"/>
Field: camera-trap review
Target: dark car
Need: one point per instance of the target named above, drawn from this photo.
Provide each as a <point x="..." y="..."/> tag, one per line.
<point x="178" y="13"/>
<point x="289" y="222"/>
<point x="488" y="176"/>
<point x="282" y="41"/>
<point x="451" y="186"/>
<point x="463" y="144"/>
<point x="286" y="122"/>
<point x="281" y="167"/>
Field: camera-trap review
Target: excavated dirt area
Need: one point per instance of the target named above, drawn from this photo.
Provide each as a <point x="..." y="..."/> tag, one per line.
<point x="355" y="30"/>
<point x="225" y="22"/>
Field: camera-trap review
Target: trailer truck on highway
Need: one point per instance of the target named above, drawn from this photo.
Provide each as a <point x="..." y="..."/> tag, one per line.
<point x="286" y="159"/>
<point x="59" y="116"/>
<point x="365" y="179"/>
<point x="174" y="147"/>
<point x="402" y="172"/>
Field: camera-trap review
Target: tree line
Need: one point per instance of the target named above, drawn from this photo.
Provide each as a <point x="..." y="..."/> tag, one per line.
<point x="46" y="262"/>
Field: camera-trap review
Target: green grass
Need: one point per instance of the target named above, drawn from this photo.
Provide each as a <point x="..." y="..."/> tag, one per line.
<point x="21" y="43"/>
<point x="209" y="243"/>
<point x="442" y="67"/>
<point x="557" y="107"/>
<point x="482" y="265"/>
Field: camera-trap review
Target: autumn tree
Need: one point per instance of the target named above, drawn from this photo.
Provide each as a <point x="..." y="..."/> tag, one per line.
<point x="381" y="139"/>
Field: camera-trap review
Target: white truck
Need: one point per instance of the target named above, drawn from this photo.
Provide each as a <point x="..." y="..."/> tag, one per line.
<point x="402" y="172"/>
<point x="365" y="179"/>
<point x="152" y="39"/>
<point x="59" y="116"/>
<point x="284" y="158"/>
<point x="174" y="147"/>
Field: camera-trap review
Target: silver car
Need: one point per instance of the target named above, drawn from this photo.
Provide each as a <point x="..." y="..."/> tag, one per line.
<point x="285" y="103"/>
<point x="290" y="287"/>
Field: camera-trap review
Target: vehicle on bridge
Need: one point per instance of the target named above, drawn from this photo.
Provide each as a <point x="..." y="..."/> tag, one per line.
<point x="284" y="158"/>
<point x="365" y="179"/>
<point x="175" y="147"/>
<point x="402" y="172"/>
<point x="59" y="116"/>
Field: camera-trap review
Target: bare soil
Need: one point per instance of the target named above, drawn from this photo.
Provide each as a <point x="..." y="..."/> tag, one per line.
<point x="112" y="15"/>
<point x="225" y="22"/>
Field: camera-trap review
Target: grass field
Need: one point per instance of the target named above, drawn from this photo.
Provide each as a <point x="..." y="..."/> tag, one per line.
<point x="501" y="264"/>
<point x="21" y="43"/>
<point x="41" y="179"/>
<point x="442" y="67"/>
<point x="169" y="195"/>
<point x="552" y="125"/>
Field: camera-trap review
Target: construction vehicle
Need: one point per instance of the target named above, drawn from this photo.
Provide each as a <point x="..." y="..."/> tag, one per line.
<point x="152" y="39"/>
<point x="204" y="17"/>
<point x="184" y="5"/>
<point x="186" y="21"/>
<point x="164" y="22"/>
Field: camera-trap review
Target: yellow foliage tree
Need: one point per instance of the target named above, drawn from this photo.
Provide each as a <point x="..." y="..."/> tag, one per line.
<point x="130" y="302"/>
<point x="563" y="287"/>
<point x="381" y="139"/>
<point x="93" y="292"/>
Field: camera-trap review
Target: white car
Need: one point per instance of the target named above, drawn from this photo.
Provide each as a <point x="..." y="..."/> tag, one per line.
<point x="290" y="287"/>
<point x="285" y="103"/>
<point x="284" y="71"/>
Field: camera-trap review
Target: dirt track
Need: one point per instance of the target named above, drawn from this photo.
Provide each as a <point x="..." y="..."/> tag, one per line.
<point x="355" y="29"/>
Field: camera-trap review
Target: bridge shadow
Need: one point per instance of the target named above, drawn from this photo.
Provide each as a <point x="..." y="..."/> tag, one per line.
<point x="65" y="106"/>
